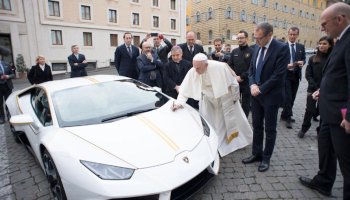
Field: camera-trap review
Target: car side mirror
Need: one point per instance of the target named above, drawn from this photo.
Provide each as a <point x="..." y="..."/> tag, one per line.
<point x="19" y="120"/>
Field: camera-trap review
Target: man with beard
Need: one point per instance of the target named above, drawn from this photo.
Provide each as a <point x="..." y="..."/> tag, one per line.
<point x="239" y="61"/>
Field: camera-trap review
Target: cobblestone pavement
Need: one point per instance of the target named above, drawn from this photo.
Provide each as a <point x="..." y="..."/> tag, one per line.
<point x="22" y="178"/>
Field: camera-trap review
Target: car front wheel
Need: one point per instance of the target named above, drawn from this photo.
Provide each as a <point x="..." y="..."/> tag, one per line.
<point x="53" y="177"/>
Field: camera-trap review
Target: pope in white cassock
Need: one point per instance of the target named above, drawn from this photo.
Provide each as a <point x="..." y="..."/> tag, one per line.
<point x="214" y="85"/>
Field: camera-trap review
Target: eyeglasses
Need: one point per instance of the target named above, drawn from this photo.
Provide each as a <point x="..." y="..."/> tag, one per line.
<point x="241" y="38"/>
<point x="325" y="23"/>
<point x="260" y="38"/>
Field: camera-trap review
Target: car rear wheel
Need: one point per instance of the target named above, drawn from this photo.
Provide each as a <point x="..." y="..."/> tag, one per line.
<point x="53" y="177"/>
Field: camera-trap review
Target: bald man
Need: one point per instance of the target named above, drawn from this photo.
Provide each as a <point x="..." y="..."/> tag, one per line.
<point x="214" y="85"/>
<point x="190" y="48"/>
<point x="334" y="136"/>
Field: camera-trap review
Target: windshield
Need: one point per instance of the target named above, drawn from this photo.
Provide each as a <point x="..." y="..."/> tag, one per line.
<point x="103" y="102"/>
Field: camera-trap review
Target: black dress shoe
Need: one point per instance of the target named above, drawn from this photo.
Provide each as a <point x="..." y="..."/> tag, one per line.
<point x="289" y="124"/>
<point x="264" y="166"/>
<point x="301" y="134"/>
<point x="285" y="119"/>
<point x="307" y="182"/>
<point x="251" y="159"/>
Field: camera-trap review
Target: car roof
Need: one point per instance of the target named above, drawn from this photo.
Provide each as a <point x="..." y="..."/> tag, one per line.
<point x="56" y="85"/>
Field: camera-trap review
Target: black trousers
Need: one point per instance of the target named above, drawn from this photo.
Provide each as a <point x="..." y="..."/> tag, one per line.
<point x="5" y="92"/>
<point x="264" y="113"/>
<point x="245" y="95"/>
<point x="291" y="89"/>
<point x="333" y="144"/>
<point x="310" y="112"/>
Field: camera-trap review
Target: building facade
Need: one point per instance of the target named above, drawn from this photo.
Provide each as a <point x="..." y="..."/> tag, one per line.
<point x="51" y="27"/>
<point x="212" y="19"/>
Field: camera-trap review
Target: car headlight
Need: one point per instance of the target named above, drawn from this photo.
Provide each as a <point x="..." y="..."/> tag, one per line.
<point x="108" y="172"/>
<point x="206" y="128"/>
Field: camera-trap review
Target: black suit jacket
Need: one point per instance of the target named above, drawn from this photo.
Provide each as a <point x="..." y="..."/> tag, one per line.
<point x="147" y="67"/>
<point x="163" y="51"/>
<point x="36" y="75"/>
<point x="126" y="65"/>
<point x="335" y="83"/>
<point x="9" y="72"/>
<point x="186" y="54"/>
<point x="79" y="70"/>
<point x="299" y="56"/>
<point x="272" y="77"/>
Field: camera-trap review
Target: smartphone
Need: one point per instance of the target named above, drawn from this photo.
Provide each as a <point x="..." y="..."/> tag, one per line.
<point x="154" y="34"/>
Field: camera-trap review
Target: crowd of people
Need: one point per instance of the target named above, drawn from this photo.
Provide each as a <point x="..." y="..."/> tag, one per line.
<point x="225" y="86"/>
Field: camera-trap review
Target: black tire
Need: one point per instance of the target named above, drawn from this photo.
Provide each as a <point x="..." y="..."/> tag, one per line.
<point x="53" y="177"/>
<point x="14" y="132"/>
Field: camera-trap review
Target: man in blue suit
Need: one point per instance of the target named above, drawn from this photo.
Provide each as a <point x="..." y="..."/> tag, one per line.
<point x="77" y="62"/>
<point x="125" y="58"/>
<point x="6" y="86"/>
<point x="297" y="60"/>
<point x="266" y="81"/>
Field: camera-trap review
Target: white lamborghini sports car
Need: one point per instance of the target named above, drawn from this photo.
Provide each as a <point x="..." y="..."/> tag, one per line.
<point x="111" y="137"/>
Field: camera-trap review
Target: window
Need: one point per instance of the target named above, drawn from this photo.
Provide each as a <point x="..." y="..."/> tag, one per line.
<point x="229" y="14"/>
<point x="135" y="1"/>
<point x="5" y="4"/>
<point x="210" y="35"/>
<point x="275" y="22"/>
<point x="228" y="34"/>
<point x="254" y="18"/>
<point x="265" y="3"/>
<point x="210" y="13"/>
<point x="136" y="19"/>
<point x="285" y="8"/>
<point x="173" y="24"/>
<point x="292" y="11"/>
<point x="85" y="13"/>
<point x="198" y="35"/>
<point x="59" y="66"/>
<point x="87" y="37"/>
<point x="172" y="4"/>
<point x="187" y="20"/>
<point x="156" y="3"/>
<point x="41" y="106"/>
<point x="173" y="42"/>
<point x="198" y="16"/>
<point x="114" y="40"/>
<point x="264" y="18"/>
<point x="56" y="37"/>
<point x="275" y="6"/>
<point x="112" y="16"/>
<point x="243" y="17"/>
<point x="54" y="8"/>
<point x="253" y="38"/>
<point x="155" y="22"/>
<point x="255" y="2"/>
<point x="136" y="40"/>
<point x="285" y="24"/>
<point x="210" y="50"/>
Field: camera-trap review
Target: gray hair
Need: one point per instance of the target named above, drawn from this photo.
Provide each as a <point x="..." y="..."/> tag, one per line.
<point x="176" y="49"/>
<point x="265" y="27"/>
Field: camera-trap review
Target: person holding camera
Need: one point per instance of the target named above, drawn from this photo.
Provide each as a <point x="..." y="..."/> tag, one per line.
<point x="297" y="61"/>
<point x="158" y="48"/>
<point x="219" y="54"/>
<point x="149" y="66"/>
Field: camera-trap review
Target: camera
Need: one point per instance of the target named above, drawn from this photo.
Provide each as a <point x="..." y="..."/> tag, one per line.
<point x="154" y="34"/>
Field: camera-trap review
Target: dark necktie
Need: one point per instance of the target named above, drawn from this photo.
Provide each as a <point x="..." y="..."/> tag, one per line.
<point x="293" y="53"/>
<point x="260" y="65"/>
<point x="191" y="50"/>
<point x="129" y="51"/>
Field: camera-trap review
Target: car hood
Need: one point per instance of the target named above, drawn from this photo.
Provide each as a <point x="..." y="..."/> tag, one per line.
<point x="146" y="139"/>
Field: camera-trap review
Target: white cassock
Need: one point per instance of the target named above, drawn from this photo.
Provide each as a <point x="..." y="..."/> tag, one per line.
<point x="217" y="91"/>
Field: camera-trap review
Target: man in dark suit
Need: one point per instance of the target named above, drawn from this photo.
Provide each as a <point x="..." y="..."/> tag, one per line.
<point x="175" y="72"/>
<point x="149" y="66"/>
<point x="77" y="62"/>
<point x="334" y="135"/>
<point x="125" y="58"/>
<point x="266" y="80"/>
<point x="240" y="61"/>
<point x="6" y="86"/>
<point x="190" y="48"/>
<point x="219" y="54"/>
<point x="297" y="60"/>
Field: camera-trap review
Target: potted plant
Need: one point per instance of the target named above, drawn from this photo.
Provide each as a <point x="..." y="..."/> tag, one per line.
<point x="21" y="66"/>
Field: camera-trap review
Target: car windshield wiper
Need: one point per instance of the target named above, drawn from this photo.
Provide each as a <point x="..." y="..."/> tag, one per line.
<point x="128" y="114"/>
